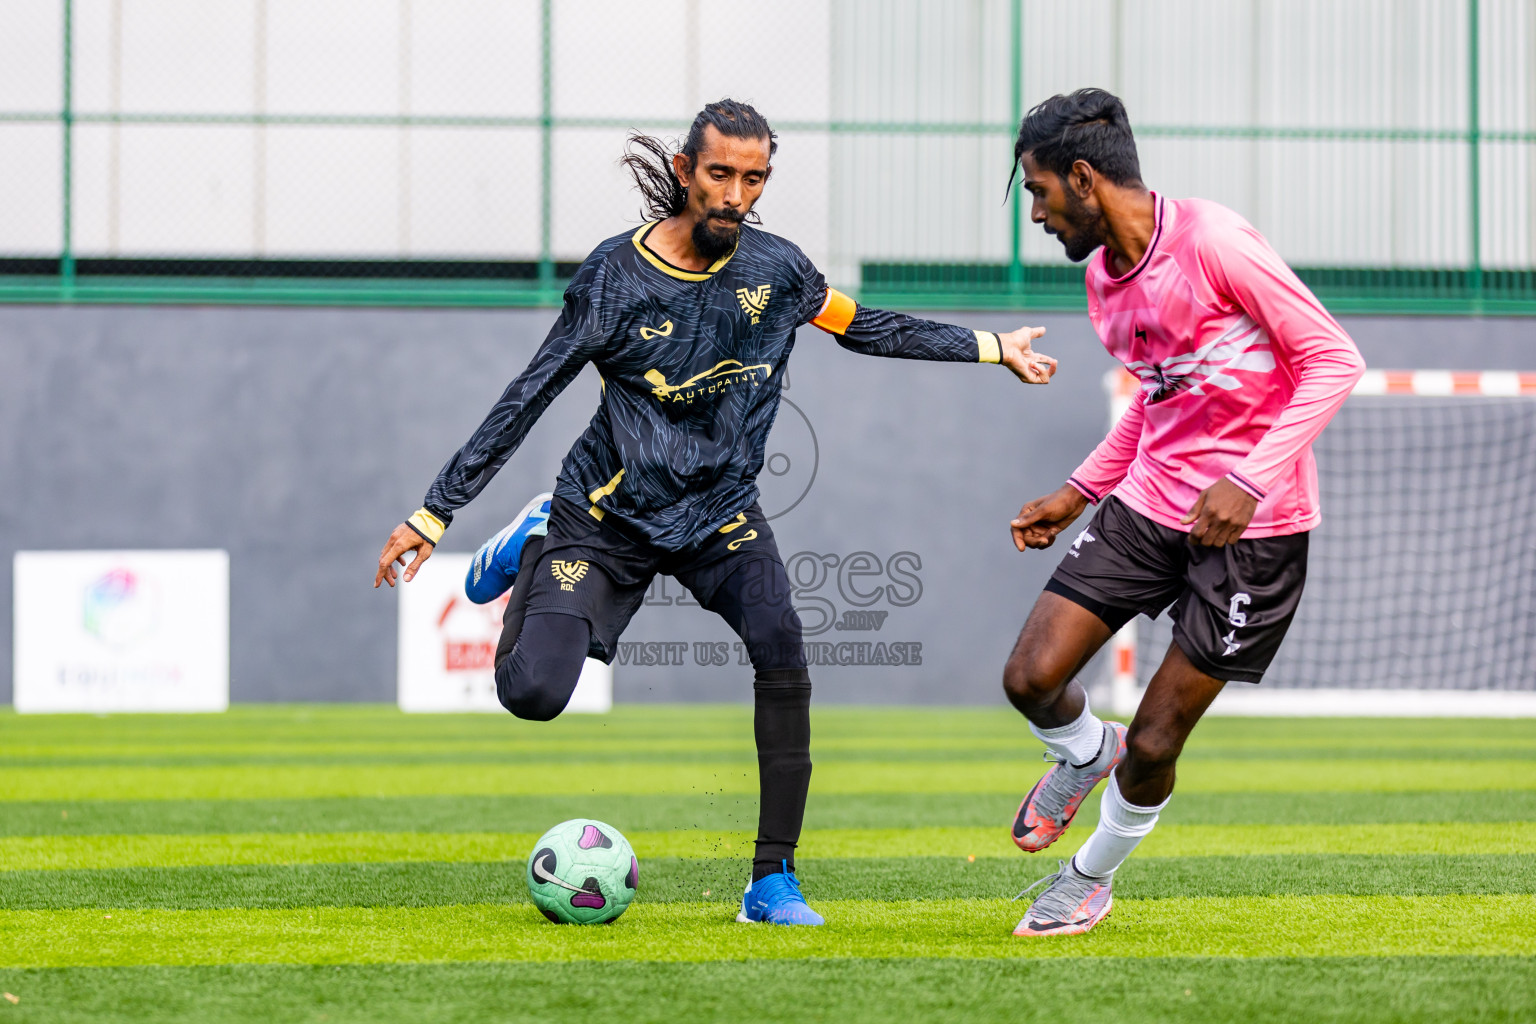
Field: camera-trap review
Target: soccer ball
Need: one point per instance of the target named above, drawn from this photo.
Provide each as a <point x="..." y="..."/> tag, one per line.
<point x="582" y="872"/>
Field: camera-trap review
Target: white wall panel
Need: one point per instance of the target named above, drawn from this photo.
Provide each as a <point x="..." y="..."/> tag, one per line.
<point x="31" y="62"/>
<point x="780" y="60"/>
<point x="1067" y="47"/>
<point x="795" y="202"/>
<point x="616" y="58"/>
<point x="592" y="195"/>
<point x="474" y="58"/>
<point x="333" y="192"/>
<point x="181" y="190"/>
<point x="1508" y="68"/>
<point x="1185" y="62"/>
<point x="164" y="56"/>
<point x="920" y="61"/>
<point x="1509" y="208"/>
<point x="31" y="200"/>
<point x="918" y="198"/>
<point x="474" y="193"/>
<point x="1342" y="68"/>
<point x="333" y="57"/>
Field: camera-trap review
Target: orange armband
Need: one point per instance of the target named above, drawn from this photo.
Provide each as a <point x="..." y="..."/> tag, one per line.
<point x="836" y="312"/>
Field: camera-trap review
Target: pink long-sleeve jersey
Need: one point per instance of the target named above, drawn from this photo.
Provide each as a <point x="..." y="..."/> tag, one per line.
<point x="1240" y="367"/>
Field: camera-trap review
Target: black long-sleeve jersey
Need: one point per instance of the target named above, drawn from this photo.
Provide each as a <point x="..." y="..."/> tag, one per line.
<point x="691" y="364"/>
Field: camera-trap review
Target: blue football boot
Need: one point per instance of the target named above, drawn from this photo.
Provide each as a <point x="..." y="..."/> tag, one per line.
<point x="494" y="567"/>
<point x="776" y="899"/>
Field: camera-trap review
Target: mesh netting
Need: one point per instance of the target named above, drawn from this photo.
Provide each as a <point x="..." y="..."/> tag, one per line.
<point x="1423" y="572"/>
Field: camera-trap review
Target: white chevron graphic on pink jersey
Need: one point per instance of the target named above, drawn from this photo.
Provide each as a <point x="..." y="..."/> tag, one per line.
<point x="1244" y="346"/>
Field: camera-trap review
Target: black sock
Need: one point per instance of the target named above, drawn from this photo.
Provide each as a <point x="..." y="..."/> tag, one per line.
<point x="782" y="726"/>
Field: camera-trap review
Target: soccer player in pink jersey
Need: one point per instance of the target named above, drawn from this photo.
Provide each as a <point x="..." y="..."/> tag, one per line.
<point x="1206" y="487"/>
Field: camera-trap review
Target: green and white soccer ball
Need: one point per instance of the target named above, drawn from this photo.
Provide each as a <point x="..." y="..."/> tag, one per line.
<point x="582" y="872"/>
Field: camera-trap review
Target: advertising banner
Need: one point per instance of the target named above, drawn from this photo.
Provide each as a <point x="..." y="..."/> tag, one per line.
<point x="103" y="631"/>
<point x="448" y="647"/>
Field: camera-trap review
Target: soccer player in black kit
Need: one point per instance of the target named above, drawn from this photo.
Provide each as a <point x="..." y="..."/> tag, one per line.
<point x="690" y="320"/>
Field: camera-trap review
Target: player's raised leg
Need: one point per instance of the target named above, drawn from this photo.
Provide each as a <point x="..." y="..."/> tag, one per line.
<point x="547" y="630"/>
<point x="1058" y="639"/>
<point x="1119" y="565"/>
<point x="535" y="681"/>
<point x="1080" y="894"/>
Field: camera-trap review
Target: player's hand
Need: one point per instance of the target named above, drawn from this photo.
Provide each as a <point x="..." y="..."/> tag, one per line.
<point x="1029" y="366"/>
<point x="1221" y="514"/>
<point x="404" y="539"/>
<point x="1041" y="520"/>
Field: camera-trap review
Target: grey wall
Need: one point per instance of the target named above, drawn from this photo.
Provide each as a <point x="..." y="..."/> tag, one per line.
<point x="296" y="439"/>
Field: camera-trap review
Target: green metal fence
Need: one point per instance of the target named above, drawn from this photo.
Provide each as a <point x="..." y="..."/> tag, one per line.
<point x="1387" y="147"/>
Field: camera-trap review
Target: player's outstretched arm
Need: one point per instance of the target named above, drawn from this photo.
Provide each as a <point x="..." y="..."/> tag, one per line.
<point x="881" y="332"/>
<point x="575" y="339"/>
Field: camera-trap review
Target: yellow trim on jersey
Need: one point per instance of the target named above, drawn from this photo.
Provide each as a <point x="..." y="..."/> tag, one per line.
<point x="428" y="525"/>
<point x="836" y="312"/>
<point x="601" y="493"/>
<point x="607" y="488"/>
<point x="989" y="347"/>
<point x="667" y="268"/>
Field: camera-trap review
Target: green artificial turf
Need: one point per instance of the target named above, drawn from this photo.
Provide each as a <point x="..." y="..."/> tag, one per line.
<point x="648" y="812"/>
<point x="351" y="863"/>
<point x="1172" y="840"/>
<point x="688" y="776"/>
<point x="1316" y="990"/>
<point x="719" y="879"/>
<point x="1202" y="926"/>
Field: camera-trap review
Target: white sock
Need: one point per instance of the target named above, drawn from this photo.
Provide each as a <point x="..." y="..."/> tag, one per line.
<point x="1121" y="827"/>
<point x="1078" y="741"/>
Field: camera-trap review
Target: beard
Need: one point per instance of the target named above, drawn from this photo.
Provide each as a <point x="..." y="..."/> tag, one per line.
<point x="1087" y="229"/>
<point x="712" y="244"/>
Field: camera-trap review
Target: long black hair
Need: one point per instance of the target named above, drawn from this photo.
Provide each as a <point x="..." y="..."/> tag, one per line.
<point x="1089" y="125"/>
<point x="650" y="160"/>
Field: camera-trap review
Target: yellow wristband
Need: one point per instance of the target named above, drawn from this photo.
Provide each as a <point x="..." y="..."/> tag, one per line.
<point x="988" y="348"/>
<point x="428" y="525"/>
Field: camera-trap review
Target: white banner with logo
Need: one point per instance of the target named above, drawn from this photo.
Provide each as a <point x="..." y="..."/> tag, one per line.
<point x="448" y="647"/>
<point x="101" y="631"/>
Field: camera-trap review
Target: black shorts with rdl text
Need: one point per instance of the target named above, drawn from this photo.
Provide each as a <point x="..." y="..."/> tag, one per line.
<point x="1230" y="605"/>
<point x="587" y="568"/>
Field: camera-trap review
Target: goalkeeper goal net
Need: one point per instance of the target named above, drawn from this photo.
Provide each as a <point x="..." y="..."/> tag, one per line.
<point x="1421" y="581"/>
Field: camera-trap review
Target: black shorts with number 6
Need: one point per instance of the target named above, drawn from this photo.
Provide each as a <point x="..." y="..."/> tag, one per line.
<point x="1231" y="605"/>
